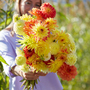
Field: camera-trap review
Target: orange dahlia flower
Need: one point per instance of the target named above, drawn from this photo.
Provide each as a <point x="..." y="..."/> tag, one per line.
<point x="67" y="72"/>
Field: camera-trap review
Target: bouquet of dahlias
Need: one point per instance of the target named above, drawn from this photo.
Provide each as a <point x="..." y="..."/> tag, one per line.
<point x="43" y="47"/>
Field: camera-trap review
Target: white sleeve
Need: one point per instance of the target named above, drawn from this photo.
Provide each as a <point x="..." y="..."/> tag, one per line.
<point x="7" y="52"/>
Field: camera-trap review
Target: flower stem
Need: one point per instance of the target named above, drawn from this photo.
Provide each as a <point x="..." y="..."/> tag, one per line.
<point x="32" y="87"/>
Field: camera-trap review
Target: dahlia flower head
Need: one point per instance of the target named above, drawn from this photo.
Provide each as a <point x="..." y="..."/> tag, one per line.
<point x="43" y="47"/>
<point x="46" y="11"/>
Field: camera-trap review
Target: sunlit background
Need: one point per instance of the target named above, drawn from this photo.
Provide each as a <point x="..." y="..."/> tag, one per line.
<point x="73" y="16"/>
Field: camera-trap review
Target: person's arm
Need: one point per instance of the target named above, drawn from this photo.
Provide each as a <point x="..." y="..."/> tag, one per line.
<point x="7" y="53"/>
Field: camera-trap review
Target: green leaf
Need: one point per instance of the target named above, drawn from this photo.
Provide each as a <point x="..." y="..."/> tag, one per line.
<point x="1" y="68"/>
<point x="3" y="11"/>
<point x="22" y="80"/>
<point x="3" y="61"/>
<point x="42" y="57"/>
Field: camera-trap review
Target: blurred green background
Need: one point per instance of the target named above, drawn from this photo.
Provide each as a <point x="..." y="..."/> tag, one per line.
<point x="72" y="17"/>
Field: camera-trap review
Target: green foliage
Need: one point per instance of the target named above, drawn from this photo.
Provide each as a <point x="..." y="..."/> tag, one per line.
<point x="4" y="82"/>
<point x="2" y="60"/>
<point x="6" y="16"/>
<point x="3" y="78"/>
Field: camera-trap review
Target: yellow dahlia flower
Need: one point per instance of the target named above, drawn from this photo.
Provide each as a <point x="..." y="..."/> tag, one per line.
<point x="73" y="47"/>
<point x="51" y="39"/>
<point x="26" y="17"/>
<point x="61" y="56"/>
<point x="20" y="60"/>
<point x="42" y="48"/>
<point x="55" y="65"/>
<point x="71" y="59"/>
<point x="50" y="23"/>
<point x="55" y="33"/>
<point x="40" y="66"/>
<point x="72" y="44"/>
<point x="40" y="30"/>
<point x="24" y="68"/>
<point x="33" y="58"/>
<point x="65" y="48"/>
<point x="28" y="41"/>
<point x="54" y="48"/>
<point x="31" y="42"/>
<point x="18" y="27"/>
<point x="62" y="38"/>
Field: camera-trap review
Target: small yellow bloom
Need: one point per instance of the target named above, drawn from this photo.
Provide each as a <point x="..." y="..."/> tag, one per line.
<point x="71" y="44"/>
<point x="18" y="27"/>
<point x="54" y="48"/>
<point x="20" y="60"/>
<point x="24" y="68"/>
<point x="71" y="59"/>
<point x="73" y="47"/>
<point x="47" y="57"/>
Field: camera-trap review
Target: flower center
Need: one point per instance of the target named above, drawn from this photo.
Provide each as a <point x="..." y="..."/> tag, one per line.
<point x="68" y="70"/>
<point x="62" y="40"/>
<point x="29" y="50"/>
<point x="42" y="30"/>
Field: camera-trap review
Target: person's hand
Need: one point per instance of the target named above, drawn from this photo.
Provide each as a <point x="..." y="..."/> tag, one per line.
<point x="29" y="76"/>
<point x="32" y="75"/>
<point x="41" y="74"/>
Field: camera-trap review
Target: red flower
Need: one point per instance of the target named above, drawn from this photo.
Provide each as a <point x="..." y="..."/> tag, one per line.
<point x="48" y="11"/>
<point x="28" y="52"/>
<point x="67" y="72"/>
<point x="37" y="12"/>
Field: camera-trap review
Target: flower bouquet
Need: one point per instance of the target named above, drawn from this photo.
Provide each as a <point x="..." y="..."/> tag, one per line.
<point x="43" y="47"/>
